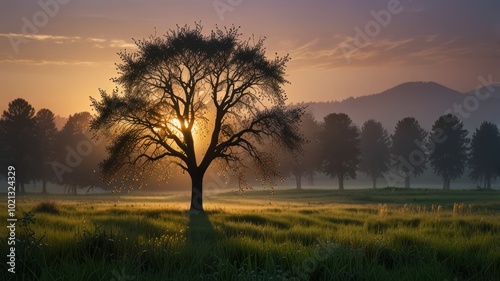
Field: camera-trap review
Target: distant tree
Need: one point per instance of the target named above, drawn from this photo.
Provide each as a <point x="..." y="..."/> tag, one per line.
<point x="45" y="132"/>
<point x="17" y="140"/>
<point x="189" y="100"/>
<point x="448" y="141"/>
<point x="308" y="161"/>
<point x="375" y="150"/>
<point x="484" y="159"/>
<point x="78" y="155"/>
<point x="408" y="144"/>
<point x="339" y="141"/>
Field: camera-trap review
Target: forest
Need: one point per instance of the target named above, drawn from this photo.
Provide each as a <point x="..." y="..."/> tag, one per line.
<point x="70" y="157"/>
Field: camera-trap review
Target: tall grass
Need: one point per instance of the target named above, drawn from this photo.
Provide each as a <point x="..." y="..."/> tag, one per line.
<point x="102" y="239"/>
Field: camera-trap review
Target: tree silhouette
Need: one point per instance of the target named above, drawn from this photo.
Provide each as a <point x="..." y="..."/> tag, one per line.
<point x="448" y="144"/>
<point x="484" y="157"/>
<point x="408" y="145"/>
<point x="309" y="160"/>
<point x="375" y="150"/>
<point x="339" y="141"/>
<point x="17" y="140"/>
<point x="45" y="133"/>
<point x="78" y="155"/>
<point x="189" y="99"/>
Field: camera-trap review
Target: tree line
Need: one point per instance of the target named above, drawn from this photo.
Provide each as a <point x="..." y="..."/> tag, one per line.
<point x="30" y="141"/>
<point x="337" y="148"/>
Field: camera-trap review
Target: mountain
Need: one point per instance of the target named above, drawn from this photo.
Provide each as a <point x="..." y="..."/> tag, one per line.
<point x="425" y="101"/>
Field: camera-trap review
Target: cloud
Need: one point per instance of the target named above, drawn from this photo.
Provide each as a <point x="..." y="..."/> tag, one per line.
<point x="60" y="39"/>
<point x="387" y="45"/>
<point x="41" y="37"/>
<point x="330" y="53"/>
<point x="121" y="44"/>
<point x="47" y="62"/>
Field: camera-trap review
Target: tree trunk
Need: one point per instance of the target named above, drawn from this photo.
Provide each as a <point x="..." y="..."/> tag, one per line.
<point x="374" y="179"/>
<point x="407" y="182"/>
<point x="298" y="181"/>
<point x="341" y="183"/>
<point x="311" y="179"/>
<point x="20" y="187"/>
<point x="196" y="193"/>
<point x="44" y="186"/>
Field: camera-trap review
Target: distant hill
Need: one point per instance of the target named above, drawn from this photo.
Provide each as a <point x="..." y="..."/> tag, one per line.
<point x="425" y="101"/>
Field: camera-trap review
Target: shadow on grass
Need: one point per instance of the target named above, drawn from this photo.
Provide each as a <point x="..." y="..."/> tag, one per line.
<point x="200" y="229"/>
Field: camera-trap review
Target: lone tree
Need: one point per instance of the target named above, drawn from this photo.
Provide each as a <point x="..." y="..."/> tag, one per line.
<point x="339" y="141"/>
<point x="408" y="145"/>
<point x="375" y="150"/>
<point x="189" y="99"/>
<point x="484" y="157"/>
<point x="448" y="143"/>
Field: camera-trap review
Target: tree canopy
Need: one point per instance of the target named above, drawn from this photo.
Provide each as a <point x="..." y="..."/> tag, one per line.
<point x="308" y="161"/>
<point x="16" y="140"/>
<point x="408" y="145"/>
<point x="339" y="141"/>
<point x="484" y="159"/>
<point x="375" y="150"/>
<point x="77" y="160"/>
<point x="46" y="134"/>
<point x="187" y="99"/>
<point x="448" y="143"/>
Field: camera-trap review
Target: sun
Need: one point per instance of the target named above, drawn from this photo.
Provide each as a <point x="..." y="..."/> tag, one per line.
<point x="177" y="128"/>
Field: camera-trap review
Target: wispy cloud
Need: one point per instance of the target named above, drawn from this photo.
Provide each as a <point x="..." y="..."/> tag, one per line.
<point x="327" y="53"/>
<point x="121" y="44"/>
<point x="387" y="45"/>
<point x="47" y="62"/>
<point x="59" y="39"/>
<point x="41" y="37"/>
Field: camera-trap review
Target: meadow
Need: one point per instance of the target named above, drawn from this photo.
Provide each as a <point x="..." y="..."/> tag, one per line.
<point x="383" y="234"/>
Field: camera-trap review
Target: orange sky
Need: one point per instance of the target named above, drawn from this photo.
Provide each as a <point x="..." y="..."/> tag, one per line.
<point x="57" y="53"/>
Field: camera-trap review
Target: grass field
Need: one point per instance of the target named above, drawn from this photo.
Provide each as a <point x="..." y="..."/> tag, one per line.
<point x="386" y="234"/>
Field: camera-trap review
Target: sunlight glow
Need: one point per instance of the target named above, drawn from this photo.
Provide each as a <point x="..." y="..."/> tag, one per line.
<point x="177" y="123"/>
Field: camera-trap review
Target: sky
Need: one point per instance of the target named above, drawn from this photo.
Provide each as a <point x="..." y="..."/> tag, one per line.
<point x="57" y="53"/>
